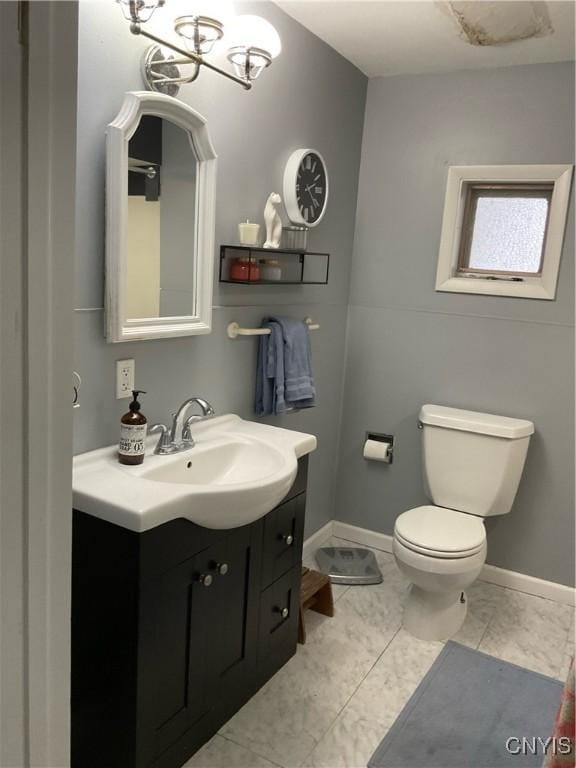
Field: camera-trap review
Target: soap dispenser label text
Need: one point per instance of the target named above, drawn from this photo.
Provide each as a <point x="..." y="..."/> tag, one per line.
<point x="132" y="437"/>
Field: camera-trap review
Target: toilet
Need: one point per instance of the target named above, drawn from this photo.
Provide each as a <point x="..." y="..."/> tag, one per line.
<point x="472" y="467"/>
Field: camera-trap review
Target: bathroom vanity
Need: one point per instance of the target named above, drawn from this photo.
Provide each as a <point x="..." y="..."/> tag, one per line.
<point x="175" y="627"/>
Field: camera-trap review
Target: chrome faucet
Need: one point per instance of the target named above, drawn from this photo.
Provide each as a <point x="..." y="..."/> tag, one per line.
<point x="179" y="437"/>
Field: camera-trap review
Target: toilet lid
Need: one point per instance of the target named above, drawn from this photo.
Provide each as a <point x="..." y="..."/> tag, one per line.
<point x="440" y="532"/>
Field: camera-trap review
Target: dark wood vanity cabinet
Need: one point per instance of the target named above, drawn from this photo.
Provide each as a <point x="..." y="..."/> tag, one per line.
<point x="174" y="629"/>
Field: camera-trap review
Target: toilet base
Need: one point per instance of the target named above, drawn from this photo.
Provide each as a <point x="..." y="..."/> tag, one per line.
<point x="434" y="615"/>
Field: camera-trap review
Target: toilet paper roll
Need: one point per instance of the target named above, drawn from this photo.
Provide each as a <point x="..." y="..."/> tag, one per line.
<point x="376" y="450"/>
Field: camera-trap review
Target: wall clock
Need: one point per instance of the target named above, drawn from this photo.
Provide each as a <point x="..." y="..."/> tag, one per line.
<point x="305" y="187"/>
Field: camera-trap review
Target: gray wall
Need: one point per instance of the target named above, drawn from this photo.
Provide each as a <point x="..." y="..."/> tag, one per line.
<point x="408" y="345"/>
<point x="311" y="97"/>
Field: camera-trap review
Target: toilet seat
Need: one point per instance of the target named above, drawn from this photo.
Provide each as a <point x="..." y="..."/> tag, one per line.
<point x="440" y="532"/>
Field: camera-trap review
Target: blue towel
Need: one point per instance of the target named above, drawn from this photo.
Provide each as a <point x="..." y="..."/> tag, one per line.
<point x="284" y="379"/>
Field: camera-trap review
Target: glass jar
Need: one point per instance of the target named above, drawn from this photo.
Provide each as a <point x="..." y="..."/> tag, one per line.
<point x="245" y="269"/>
<point x="294" y="238"/>
<point x="270" y="269"/>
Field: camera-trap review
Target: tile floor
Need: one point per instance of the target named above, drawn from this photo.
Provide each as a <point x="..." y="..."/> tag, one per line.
<point x="334" y="701"/>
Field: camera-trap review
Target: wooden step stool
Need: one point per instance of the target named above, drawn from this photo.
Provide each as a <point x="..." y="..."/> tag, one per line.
<point x="316" y="594"/>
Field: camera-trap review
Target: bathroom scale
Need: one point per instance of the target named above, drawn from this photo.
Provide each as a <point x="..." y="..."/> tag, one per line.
<point x="349" y="565"/>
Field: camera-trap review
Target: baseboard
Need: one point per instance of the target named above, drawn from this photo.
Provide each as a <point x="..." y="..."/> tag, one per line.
<point x="362" y="536"/>
<point x="520" y="582"/>
<point x="313" y="542"/>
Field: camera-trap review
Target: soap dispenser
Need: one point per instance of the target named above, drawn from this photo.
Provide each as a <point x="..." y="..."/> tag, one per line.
<point x="132" y="443"/>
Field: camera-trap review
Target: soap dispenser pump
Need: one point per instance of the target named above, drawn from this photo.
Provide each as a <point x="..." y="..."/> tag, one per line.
<point x="133" y="428"/>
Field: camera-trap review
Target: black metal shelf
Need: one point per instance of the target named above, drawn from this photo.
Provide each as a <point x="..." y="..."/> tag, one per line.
<point x="298" y="267"/>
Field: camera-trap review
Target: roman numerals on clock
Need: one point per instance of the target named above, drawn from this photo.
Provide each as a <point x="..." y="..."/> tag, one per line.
<point x="306" y="187"/>
<point x="311" y="187"/>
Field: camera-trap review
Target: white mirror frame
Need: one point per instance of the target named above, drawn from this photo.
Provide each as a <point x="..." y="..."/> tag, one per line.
<point x="118" y="134"/>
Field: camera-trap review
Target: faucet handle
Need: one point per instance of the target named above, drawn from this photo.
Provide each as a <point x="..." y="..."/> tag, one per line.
<point x="186" y="433"/>
<point x="164" y="443"/>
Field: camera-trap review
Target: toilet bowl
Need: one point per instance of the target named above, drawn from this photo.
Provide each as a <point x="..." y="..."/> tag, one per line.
<point x="472" y="467"/>
<point x="441" y="551"/>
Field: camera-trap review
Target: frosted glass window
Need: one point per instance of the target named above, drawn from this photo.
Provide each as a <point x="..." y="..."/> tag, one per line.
<point x="504" y="230"/>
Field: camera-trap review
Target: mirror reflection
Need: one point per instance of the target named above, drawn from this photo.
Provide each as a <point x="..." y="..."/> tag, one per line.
<point x="162" y="195"/>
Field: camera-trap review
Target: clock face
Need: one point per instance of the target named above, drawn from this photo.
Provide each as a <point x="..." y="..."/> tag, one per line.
<point x="311" y="188"/>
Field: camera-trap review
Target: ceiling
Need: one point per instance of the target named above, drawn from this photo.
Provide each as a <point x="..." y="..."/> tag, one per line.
<point x="393" y="37"/>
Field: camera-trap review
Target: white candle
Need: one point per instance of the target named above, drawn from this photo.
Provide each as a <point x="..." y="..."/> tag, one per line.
<point x="249" y="233"/>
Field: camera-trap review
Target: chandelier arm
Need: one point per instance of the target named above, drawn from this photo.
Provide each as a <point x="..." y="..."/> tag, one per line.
<point x="193" y="57"/>
<point x="160" y="79"/>
<point x="174" y="61"/>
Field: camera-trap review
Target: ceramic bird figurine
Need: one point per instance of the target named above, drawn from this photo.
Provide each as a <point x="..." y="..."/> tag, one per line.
<point x="272" y="221"/>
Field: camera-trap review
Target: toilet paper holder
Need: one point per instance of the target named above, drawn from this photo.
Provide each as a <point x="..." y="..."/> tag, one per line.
<point x="380" y="437"/>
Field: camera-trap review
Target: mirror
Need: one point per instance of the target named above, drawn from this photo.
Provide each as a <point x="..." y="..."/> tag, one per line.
<point x="161" y="175"/>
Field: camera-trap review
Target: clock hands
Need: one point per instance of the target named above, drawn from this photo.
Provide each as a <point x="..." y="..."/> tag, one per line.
<point x="310" y="187"/>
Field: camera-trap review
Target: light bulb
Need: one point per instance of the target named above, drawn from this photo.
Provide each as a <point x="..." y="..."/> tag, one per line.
<point x="254" y="32"/>
<point x="139" y="11"/>
<point x="253" y="43"/>
<point x="204" y="23"/>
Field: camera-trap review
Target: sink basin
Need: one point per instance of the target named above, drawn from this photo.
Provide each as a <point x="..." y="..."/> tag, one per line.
<point x="236" y="473"/>
<point x="223" y="463"/>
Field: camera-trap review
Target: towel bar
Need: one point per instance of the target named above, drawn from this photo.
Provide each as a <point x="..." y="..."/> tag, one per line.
<point x="234" y="330"/>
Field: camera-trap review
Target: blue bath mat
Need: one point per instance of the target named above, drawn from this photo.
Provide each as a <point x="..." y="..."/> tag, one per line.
<point x="466" y="709"/>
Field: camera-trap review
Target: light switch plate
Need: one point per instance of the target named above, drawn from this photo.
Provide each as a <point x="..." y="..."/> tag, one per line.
<point x="124" y="378"/>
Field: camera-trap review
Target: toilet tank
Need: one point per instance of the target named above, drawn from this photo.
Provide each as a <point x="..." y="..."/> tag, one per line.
<point x="473" y="461"/>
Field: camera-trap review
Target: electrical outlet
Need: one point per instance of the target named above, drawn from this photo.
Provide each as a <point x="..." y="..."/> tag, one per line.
<point x="124" y="378"/>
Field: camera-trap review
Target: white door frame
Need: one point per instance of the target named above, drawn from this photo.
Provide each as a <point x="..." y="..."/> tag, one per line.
<point x="52" y="78"/>
<point x="13" y="696"/>
<point x="36" y="517"/>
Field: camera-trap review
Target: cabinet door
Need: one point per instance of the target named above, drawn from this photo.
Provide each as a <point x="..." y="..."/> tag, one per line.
<point x="198" y="638"/>
<point x="238" y="642"/>
<point x="180" y="627"/>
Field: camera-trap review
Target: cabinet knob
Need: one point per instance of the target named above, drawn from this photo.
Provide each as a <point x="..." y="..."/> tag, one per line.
<point x="221" y="568"/>
<point x="205" y="579"/>
<point x="284" y="612"/>
<point x="288" y="539"/>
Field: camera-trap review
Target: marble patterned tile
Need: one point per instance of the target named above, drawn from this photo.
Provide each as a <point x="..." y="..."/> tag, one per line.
<point x="569" y="650"/>
<point x="331" y="705"/>
<point x="398" y="672"/>
<point x="338" y="590"/>
<point x="483" y="599"/>
<point x="566" y="661"/>
<point x="335" y="659"/>
<point x="377" y="608"/>
<point x="281" y="725"/>
<point x="297" y="706"/>
<point x="222" y="753"/>
<point x="529" y="631"/>
<point x="350" y="743"/>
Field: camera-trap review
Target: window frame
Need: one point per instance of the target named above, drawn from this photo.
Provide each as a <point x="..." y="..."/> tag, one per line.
<point x="457" y="229"/>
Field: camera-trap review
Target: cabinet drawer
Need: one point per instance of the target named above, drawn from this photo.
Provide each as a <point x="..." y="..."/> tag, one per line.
<point x="278" y="625"/>
<point x="283" y="538"/>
